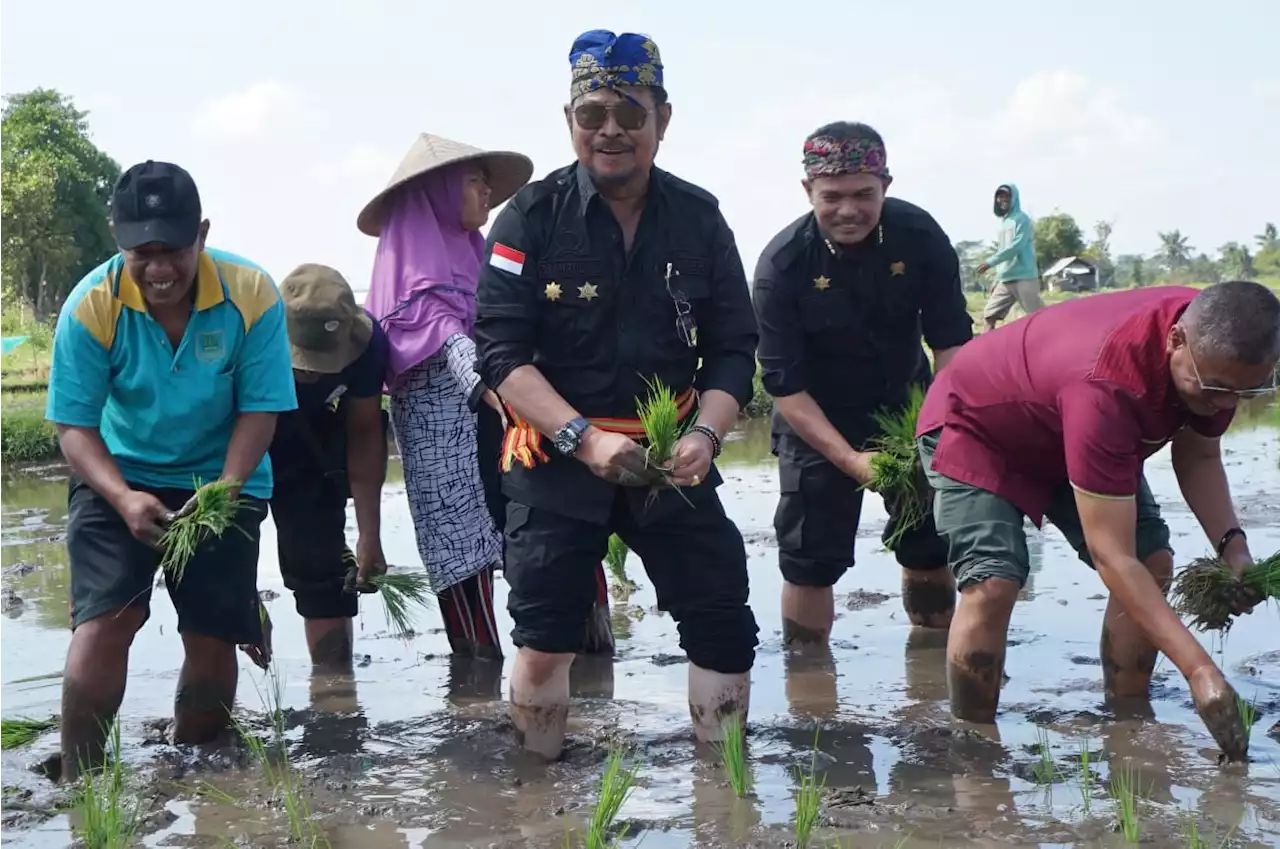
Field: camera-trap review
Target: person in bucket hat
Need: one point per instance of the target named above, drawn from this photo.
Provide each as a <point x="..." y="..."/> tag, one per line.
<point x="447" y="423"/>
<point x="333" y="447"/>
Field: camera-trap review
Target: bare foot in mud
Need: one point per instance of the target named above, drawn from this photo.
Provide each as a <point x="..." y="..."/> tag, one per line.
<point x="1219" y="707"/>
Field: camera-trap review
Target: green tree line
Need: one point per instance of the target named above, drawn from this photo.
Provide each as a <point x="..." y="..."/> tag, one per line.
<point x="1172" y="259"/>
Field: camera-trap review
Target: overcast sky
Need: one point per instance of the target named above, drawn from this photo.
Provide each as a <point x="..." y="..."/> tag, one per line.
<point x="291" y="115"/>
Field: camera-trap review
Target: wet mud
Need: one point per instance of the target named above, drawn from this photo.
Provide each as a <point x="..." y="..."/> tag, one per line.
<point x="415" y="749"/>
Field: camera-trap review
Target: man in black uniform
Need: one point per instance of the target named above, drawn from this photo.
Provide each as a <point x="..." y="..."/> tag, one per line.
<point x="842" y="296"/>
<point x="333" y="447"/>
<point x="608" y="273"/>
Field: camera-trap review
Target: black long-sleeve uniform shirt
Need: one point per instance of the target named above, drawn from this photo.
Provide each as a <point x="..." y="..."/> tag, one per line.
<point x="559" y="292"/>
<point x="845" y="323"/>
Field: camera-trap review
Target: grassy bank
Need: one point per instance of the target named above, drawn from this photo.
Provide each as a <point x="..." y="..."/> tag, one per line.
<point x="24" y="381"/>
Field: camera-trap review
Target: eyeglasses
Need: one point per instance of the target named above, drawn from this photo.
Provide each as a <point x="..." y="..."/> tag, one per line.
<point x="629" y="115"/>
<point x="1256" y="392"/>
<point x="686" y="324"/>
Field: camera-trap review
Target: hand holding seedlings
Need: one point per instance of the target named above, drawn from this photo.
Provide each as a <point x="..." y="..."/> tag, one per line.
<point x="1210" y="594"/>
<point x="1219" y="708"/>
<point x="692" y="459"/>
<point x="616" y="458"/>
<point x="145" y="515"/>
<point x="210" y="512"/>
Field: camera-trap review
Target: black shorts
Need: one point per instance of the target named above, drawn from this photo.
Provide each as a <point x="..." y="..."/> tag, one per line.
<point x="694" y="556"/>
<point x="110" y="569"/>
<point x="817" y="522"/>
<point x="311" y="538"/>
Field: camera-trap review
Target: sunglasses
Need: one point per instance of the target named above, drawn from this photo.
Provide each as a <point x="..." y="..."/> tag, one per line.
<point x="630" y="116"/>
<point x="1222" y="391"/>
<point x="686" y="324"/>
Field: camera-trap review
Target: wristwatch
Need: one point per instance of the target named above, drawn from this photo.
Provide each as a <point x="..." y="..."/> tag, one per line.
<point x="569" y="437"/>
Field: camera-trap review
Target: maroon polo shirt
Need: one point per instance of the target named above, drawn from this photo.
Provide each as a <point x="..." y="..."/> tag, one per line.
<point x="1079" y="392"/>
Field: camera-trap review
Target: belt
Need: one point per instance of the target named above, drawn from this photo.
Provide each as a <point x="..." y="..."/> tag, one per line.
<point x="523" y="443"/>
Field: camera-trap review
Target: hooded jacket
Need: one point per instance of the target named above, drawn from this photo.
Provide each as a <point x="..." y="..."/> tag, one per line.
<point x="1016" y="257"/>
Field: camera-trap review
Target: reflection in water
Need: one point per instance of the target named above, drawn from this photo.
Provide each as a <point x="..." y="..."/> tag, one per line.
<point x="811" y="682"/>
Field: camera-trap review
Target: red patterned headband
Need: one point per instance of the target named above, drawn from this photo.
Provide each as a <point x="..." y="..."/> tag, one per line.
<point x="825" y="156"/>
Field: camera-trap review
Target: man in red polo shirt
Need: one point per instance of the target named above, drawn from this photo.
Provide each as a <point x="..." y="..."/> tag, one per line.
<point x="1054" y="416"/>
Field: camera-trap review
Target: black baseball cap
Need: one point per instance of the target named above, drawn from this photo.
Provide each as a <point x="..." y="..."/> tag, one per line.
<point x="155" y="202"/>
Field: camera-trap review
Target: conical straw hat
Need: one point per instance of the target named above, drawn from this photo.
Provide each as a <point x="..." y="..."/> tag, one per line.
<point x="507" y="173"/>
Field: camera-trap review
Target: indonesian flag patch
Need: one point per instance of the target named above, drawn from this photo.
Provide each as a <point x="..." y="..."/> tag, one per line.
<point x="506" y="259"/>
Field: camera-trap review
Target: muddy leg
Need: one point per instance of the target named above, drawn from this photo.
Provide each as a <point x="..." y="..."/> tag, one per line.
<point x="1128" y="656"/>
<point x="598" y="637"/>
<point x="206" y="689"/>
<point x="807" y="614"/>
<point x="93" y="685"/>
<point x="329" y="642"/>
<point x="929" y="596"/>
<point x="540" y="700"/>
<point x="976" y="648"/>
<point x="713" y="698"/>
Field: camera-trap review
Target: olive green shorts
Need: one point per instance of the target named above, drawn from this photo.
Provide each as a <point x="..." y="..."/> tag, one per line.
<point x="984" y="532"/>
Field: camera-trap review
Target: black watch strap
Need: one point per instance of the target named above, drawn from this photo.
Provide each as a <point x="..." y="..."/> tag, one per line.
<point x="1227" y="538"/>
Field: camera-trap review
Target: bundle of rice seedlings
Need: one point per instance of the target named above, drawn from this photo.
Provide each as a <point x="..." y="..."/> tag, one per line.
<point x="399" y="592"/>
<point x="23" y="731"/>
<point x="896" y="471"/>
<point x="660" y="417"/>
<point x="1207" y="591"/>
<point x="214" y="513"/>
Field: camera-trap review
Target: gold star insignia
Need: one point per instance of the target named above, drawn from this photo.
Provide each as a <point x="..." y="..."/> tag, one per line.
<point x="897" y="269"/>
<point x="588" y="292"/>
<point x="553" y="291"/>
<point x="822" y="283"/>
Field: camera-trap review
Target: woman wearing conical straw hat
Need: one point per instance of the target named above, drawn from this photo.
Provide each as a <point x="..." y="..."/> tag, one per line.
<point x="447" y="424"/>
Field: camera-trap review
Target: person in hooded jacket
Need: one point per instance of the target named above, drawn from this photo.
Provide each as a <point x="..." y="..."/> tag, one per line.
<point x="1017" y="277"/>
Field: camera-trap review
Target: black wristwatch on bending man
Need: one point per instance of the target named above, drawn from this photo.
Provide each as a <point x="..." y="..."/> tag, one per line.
<point x="568" y="438"/>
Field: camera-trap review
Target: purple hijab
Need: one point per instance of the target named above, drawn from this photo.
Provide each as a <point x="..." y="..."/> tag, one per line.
<point x="425" y="273"/>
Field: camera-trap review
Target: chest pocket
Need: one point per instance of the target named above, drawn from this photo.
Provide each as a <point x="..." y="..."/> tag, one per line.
<point x="573" y="301"/>
<point x="681" y="303"/>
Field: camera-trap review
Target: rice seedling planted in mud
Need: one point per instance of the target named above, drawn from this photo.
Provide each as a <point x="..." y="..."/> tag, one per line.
<point x="400" y="592"/>
<point x="1248" y="716"/>
<point x="109" y="815"/>
<point x="1044" y="770"/>
<point x="733" y="754"/>
<point x="1124" y="793"/>
<point x="896" y="471"/>
<point x="23" y="731"/>
<point x="1085" y="777"/>
<point x="808" y="798"/>
<point x="616" y="786"/>
<point x="616" y="562"/>
<point x="214" y="513"/>
<point x="1192" y="839"/>
<point x="1206" y="591"/>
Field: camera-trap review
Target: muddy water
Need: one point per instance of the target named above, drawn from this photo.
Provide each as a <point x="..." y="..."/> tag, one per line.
<point x="412" y="752"/>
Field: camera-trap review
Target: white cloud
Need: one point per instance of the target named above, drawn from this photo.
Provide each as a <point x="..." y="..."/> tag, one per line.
<point x="248" y="113"/>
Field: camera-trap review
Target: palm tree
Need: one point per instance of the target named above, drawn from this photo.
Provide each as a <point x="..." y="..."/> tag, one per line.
<point x="1268" y="239"/>
<point x="1174" y="250"/>
<point x="1236" y="262"/>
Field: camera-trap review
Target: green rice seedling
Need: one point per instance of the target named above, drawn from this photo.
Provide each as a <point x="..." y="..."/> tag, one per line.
<point x="1192" y="839"/>
<point x="1124" y="793"/>
<point x="109" y="815"/>
<point x="23" y="731"/>
<point x="400" y="592"/>
<point x="808" y="798"/>
<point x="1085" y="778"/>
<point x="1248" y="716"/>
<point x="616" y="562"/>
<point x="616" y="786"/>
<point x="733" y="754"/>
<point x="1045" y="771"/>
<point x="660" y="417"/>
<point x="214" y="513"/>
<point x="1206" y="591"/>
<point x="896" y="471"/>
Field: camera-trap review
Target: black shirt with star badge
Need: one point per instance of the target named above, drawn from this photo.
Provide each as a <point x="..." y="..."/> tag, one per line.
<point x="845" y="323"/>
<point x="559" y="292"/>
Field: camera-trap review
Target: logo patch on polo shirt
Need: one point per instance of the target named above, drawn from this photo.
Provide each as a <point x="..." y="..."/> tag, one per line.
<point x="209" y="346"/>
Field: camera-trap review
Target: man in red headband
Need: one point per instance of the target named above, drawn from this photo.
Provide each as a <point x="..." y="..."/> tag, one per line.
<point x="843" y="296"/>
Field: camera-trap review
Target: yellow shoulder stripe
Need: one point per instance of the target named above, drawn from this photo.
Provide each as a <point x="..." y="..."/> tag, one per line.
<point x="99" y="311"/>
<point x="251" y="290"/>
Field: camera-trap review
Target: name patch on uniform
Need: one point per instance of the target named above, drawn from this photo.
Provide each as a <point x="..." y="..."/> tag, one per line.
<point x="506" y="259"/>
<point x="209" y="346"/>
<point x="570" y="268"/>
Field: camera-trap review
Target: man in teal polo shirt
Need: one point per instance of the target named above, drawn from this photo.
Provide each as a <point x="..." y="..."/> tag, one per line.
<point x="170" y="363"/>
